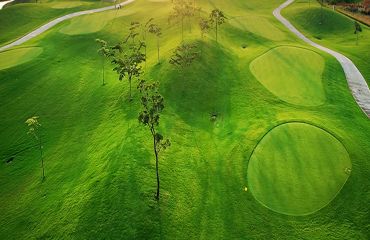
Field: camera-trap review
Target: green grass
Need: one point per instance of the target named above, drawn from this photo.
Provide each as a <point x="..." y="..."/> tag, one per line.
<point x="297" y="169"/>
<point x="19" y="19"/>
<point x="100" y="168"/>
<point x="332" y="30"/>
<point x="292" y="74"/>
<point x="259" y="25"/>
<point x="93" y="23"/>
<point x="18" y="56"/>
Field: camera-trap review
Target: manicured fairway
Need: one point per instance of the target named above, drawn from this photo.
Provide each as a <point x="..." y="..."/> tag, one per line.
<point x="20" y="19"/>
<point x="99" y="162"/>
<point x="261" y="26"/>
<point x="93" y="23"/>
<point x="63" y="5"/>
<point x="293" y="74"/>
<point x="297" y="169"/>
<point x="18" y="56"/>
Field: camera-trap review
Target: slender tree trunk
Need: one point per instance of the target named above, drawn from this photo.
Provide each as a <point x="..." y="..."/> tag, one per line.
<point x="42" y="159"/>
<point x="129" y="80"/>
<point x="156" y="163"/>
<point x="145" y="56"/>
<point x="321" y="13"/>
<point x="158" y="48"/>
<point x="157" y="169"/>
<point x="182" y="29"/>
<point x="103" y="71"/>
<point x="216" y="31"/>
<point x="190" y="24"/>
<point x="144" y="34"/>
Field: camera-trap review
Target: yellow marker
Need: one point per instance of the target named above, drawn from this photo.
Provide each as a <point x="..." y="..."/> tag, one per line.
<point x="245" y="189"/>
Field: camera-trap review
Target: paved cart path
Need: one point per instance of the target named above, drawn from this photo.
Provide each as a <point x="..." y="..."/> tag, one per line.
<point x="2" y="4"/>
<point x="54" y="22"/>
<point x="356" y="81"/>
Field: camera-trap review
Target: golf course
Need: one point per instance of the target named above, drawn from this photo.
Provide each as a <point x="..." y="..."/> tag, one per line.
<point x="183" y="119"/>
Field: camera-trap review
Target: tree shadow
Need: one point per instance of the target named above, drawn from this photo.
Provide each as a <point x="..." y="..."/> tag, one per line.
<point x="199" y="91"/>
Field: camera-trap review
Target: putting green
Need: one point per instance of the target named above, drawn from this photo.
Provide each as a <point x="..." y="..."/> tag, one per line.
<point x="293" y="74"/>
<point x="297" y="169"/>
<point x="18" y="56"/>
<point x="93" y="23"/>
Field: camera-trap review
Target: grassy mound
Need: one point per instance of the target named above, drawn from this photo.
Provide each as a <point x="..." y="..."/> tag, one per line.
<point x="292" y="74"/>
<point x="332" y="30"/>
<point x="198" y="92"/>
<point x="297" y="169"/>
<point x="18" y="56"/>
<point x="323" y="23"/>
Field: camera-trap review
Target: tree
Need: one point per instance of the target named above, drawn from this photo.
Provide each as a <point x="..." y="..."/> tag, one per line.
<point x="134" y="31"/>
<point x="321" y="11"/>
<point x="145" y="29"/>
<point x="217" y="18"/>
<point x="204" y="26"/>
<point x="104" y="50"/>
<point x="181" y="10"/>
<point x="33" y="129"/>
<point x="189" y="12"/>
<point x="157" y="31"/>
<point x="153" y="104"/>
<point x="184" y="55"/>
<point x="127" y="58"/>
<point x="358" y="29"/>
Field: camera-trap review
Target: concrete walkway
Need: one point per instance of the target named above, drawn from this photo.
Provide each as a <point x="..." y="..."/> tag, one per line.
<point x="356" y="81"/>
<point x="56" y="21"/>
<point x="2" y="4"/>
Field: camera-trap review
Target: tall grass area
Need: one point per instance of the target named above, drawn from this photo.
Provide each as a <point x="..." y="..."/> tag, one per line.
<point x="100" y="169"/>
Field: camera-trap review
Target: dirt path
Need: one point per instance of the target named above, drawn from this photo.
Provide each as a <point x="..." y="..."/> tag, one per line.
<point x="356" y="81"/>
<point x="51" y="24"/>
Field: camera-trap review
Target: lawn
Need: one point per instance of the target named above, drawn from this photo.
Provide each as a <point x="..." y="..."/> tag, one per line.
<point x="21" y="18"/>
<point x="324" y="28"/>
<point x="297" y="169"/>
<point x="99" y="163"/>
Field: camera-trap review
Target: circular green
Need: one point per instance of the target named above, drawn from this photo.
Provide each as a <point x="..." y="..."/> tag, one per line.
<point x="292" y="74"/>
<point x="297" y="169"/>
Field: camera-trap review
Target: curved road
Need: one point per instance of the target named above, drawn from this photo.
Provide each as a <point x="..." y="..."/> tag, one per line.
<point x="356" y="81"/>
<point x="51" y="24"/>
